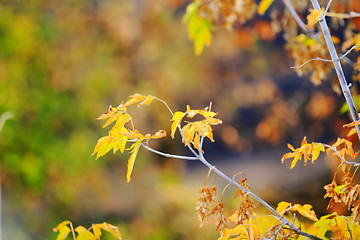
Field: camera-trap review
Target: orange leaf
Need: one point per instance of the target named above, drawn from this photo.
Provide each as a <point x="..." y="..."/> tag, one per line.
<point x="306" y="211"/>
<point x="318" y="147"/>
<point x="352" y="124"/>
<point x="313" y="17"/>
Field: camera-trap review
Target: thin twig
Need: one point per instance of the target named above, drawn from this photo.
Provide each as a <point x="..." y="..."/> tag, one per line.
<point x="328" y="60"/>
<point x="168" y="155"/>
<point x="351" y="14"/>
<point x="341" y="157"/>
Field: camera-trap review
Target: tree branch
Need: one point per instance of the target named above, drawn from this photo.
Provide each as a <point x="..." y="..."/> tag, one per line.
<point x="338" y="68"/>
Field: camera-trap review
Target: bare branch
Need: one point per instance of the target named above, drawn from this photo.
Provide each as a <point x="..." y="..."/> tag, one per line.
<point x="167" y="154"/>
<point x="349" y="15"/>
<point x="355" y="164"/>
<point x="338" y="68"/>
<point x="327" y="60"/>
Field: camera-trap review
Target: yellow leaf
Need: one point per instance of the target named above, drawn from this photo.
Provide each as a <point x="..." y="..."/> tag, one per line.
<point x="306" y="211"/>
<point x="178" y="116"/>
<point x="189" y="133"/>
<point x="196" y="141"/>
<point x="107" y="227"/>
<point x="323" y="225"/>
<point x="111" y="119"/>
<point x="134" y="151"/>
<point x="119" y="125"/>
<point x="147" y="100"/>
<point x="318" y="147"/>
<point x="159" y="134"/>
<point x="264" y="5"/>
<point x="282" y="206"/>
<point x="103" y="146"/>
<point x="120" y="141"/>
<point x="313" y="17"/>
<point x="107" y="114"/>
<point x="63" y="230"/>
<point x="209" y="133"/>
<point x="351" y="132"/>
<point x="295" y="160"/>
<point x="137" y="97"/>
<point x="133" y="134"/>
<point x="213" y="121"/>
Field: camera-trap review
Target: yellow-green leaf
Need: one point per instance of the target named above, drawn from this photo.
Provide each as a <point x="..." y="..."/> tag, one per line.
<point x="134" y="148"/>
<point x="340" y="189"/>
<point x="178" y="116"/>
<point x="107" y="227"/>
<point x="199" y="29"/>
<point x="264" y="5"/>
<point x="63" y="230"/>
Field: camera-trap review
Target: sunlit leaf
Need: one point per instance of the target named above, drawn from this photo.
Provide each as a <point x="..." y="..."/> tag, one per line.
<point x="282" y="206"/>
<point x="103" y="146"/>
<point x="134" y="148"/>
<point x="137" y="97"/>
<point x="305" y="210"/>
<point x="148" y="100"/>
<point x="323" y="224"/>
<point x="120" y="141"/>
<point x="189" y="133"/>
<point x="63" y="230"/>
<point x="318" y="147"/>
<point x="313" y="17"/>
<point x="178" y="116"/>
<point x="264" y="5"/>
<point x="108" y="114"/>
<point x="111" y="119"/>
<point x="107" y="227"/>
<point x="119" y="125"/>
<point x="159" y="134"/>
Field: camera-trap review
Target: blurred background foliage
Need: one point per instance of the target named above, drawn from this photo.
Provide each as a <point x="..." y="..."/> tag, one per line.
<point x="63" y="62"/>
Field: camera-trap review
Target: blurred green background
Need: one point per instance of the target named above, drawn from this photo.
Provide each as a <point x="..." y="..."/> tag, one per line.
<point x="62" y="63"/>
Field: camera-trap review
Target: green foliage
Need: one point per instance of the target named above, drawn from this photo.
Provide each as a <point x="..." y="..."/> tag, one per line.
<point x="199" y="28"/>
